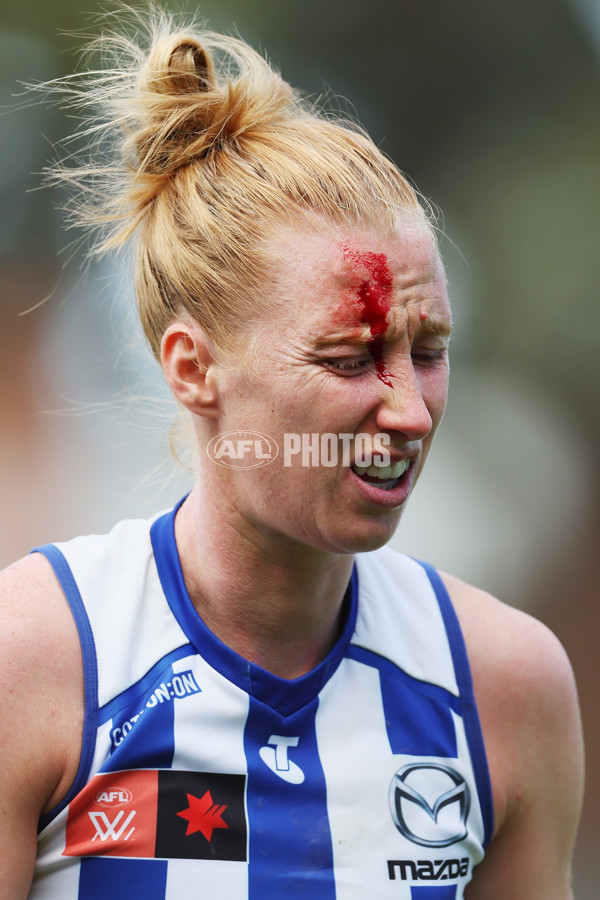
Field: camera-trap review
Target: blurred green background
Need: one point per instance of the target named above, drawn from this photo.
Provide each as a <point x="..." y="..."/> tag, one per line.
<point x="493" y="110"/>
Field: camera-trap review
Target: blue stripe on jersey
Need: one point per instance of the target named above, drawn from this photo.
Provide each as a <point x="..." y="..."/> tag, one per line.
<point x="417" y="714"/>
<point x="135" y="879"/>
<point x="290" y="852"/>
<point x="447" y="892"/>
<point x="416" y="725"/>
<point x="467" y="701"/>
<point x="282" y="695"/>
<point x="90" y="674"/>
<point x="425" y="688"/>
<point x="144" y="685"/>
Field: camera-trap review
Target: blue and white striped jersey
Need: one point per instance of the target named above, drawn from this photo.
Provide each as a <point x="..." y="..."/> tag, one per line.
<point x="203" y="775"/>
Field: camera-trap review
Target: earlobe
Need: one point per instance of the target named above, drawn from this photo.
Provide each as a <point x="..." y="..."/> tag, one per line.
<point x="188" y="361"/>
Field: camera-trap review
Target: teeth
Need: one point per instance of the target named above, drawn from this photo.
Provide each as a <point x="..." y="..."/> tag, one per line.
<point x="400" y="468"/>
<point x="384" y="473"/>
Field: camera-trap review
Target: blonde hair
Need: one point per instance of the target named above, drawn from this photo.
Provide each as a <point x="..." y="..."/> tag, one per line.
<point x="202" y="152"/>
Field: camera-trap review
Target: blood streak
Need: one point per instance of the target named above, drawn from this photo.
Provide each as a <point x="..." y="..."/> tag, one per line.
<point x="374" y="297"/>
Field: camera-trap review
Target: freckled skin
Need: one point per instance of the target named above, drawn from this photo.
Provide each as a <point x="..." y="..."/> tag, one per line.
<point x="374" y="298"/>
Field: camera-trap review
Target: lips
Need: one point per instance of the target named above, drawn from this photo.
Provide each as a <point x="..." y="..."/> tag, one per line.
<point x="390" y="486"/>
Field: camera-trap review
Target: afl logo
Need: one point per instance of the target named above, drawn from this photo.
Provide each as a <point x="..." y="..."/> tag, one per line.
<point x="114" y="797"/>
<point x="242" y="449"/>
<point x="430" y="804"/>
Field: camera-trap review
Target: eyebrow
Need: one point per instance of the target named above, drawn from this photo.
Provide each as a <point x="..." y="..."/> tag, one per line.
<point x="438" y="326"/>
<point x="360" y="334"/>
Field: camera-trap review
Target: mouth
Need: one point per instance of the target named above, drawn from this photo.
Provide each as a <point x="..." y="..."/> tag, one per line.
<point x="386" y="478"/>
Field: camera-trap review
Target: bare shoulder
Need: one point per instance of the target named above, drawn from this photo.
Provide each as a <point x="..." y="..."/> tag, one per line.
<point x="529" y="711"/>
<point x="504" y="641"/>
<point x="36" y="618"/>
<point x="40" y="666"/>
<point x="521" y="673"/>
<point x="41" y="708"/>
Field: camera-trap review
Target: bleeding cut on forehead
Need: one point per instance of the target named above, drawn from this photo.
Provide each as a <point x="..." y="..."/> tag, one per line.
<point x="365" y="289"/>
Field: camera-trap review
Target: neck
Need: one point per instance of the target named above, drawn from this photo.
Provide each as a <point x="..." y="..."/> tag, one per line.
<point x="279" y="607"/>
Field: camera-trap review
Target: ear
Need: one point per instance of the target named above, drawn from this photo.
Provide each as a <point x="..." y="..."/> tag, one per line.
<point x="188" y="361"/>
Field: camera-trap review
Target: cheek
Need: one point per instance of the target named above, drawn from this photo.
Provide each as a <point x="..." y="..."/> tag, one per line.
<point x="434" y="390"/>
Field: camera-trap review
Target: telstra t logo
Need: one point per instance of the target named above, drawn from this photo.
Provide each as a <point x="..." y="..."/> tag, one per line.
<point x="275" y="756"/>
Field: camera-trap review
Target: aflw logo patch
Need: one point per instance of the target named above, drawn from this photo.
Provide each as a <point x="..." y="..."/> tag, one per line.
<point x="166" y="814"/>
<point x="107" y="829"/>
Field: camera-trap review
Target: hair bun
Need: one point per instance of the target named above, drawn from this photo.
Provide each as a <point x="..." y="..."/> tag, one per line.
<point x="178" y="65"/>
<point x="156" y="99"/>
<point x="189" y="109"/>
<point x="179" y="103"/>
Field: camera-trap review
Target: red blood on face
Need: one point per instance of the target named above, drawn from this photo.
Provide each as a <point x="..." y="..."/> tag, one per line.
<point x="374" y="298"/>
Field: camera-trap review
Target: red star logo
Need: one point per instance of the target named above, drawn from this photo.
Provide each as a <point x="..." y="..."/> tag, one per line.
<point x="203" y="815"/>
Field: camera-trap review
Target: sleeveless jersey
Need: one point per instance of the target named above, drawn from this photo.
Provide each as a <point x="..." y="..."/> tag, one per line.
<point x="203" y="775"/>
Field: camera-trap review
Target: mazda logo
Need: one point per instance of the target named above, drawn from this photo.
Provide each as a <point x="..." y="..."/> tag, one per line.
<point x="430" y="804"/>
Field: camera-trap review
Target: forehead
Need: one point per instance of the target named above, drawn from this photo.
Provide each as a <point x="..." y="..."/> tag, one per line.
<point x="323" y="276"/>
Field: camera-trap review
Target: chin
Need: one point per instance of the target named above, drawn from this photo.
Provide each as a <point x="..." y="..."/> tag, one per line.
<point x="365" y="540"/>
<point x="364" y="546"/>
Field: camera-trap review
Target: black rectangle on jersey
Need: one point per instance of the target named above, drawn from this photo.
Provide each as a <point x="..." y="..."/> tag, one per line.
<point x="201" y="815"/>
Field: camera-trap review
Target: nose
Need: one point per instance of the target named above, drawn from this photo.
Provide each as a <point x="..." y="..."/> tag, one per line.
<point x="403" y="409"/>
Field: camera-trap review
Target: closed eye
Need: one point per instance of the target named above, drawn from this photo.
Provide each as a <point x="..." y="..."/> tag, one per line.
<point x="354" y="365"/>
<point x="424" y="357"/>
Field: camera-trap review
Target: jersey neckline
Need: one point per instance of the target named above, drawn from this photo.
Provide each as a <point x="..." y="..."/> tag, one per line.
<point x="280" y="694"/>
